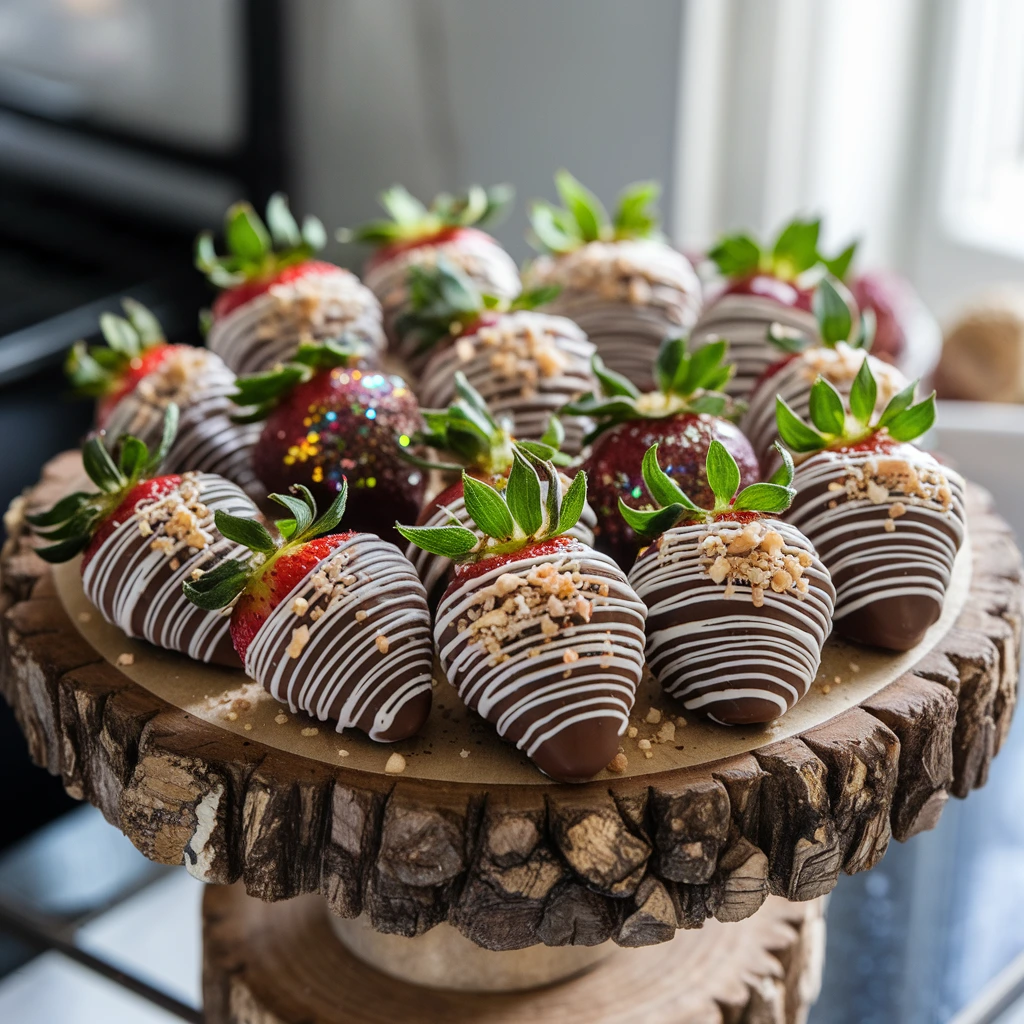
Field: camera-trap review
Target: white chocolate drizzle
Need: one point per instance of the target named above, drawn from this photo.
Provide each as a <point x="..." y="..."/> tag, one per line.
<point x="733" y="643"/>
<point x="351" y="642"/>
<point x="268" y="328"/>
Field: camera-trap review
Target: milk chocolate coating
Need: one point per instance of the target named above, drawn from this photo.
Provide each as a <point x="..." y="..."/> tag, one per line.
<point x="367" y="660"/>
<point x="564" y="699"/>
<point x="719" y="653"/>
<point x="890" y="583"/>
<point x="139" y="589"/>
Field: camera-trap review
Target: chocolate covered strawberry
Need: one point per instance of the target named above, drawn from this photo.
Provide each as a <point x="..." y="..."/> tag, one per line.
<point x="329" y="416"/>
<point x="684" y="415"/>
<point x="617" y="278"/>
<point x="333" y="624"/>
<point x="526" y="365"/>
<point x="444" y="304"/>
<point x="417" y="236"/>
<point x="885" y="516"/>
<point x="836" y="352"/>
<point x="140" y="375"/>
<point x="142" y="535"/>
<point x="276" y="294"/>
<point x="539" y="633"/>
<point x="739" y="604"/>
<point x="763" y="286"/>
<point x="485" y="449"/>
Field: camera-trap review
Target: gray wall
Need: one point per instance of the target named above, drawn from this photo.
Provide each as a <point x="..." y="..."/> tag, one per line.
<point x="441" y="93"/>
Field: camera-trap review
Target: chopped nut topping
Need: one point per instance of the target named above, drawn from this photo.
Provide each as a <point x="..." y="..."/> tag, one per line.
<point x="382" y="644"/>
<point x="300" y="637"/>
<point x="756" y="554"/>
<point x="878" y="479"/>
<point x="300" y="606"/>
<point x="177" y="517"/>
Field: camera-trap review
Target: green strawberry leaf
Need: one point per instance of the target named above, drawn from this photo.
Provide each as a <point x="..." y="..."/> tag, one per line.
<point x="247" y="532"/>
<point x="218" y="587"/>
<point x="100" y="468"/>
<point x="554" y="434"/>
<point x="838" y="266"/>
<point x="284" y="229"/>
<point x="796" y="248"/>
<point x="612" y="383"/>
<point x="554" y="229"/>
<point x="914" y="421"/>
<point x="832" y="313"/>
<point x="170" y="430"/>
<point x="723" y="473"/>
<point x="245" y="234"/>
<point x="649" y="523"/>
<point x="328" y="522"/>
<point x="573" y="502"/>
<point x="866" y="330"/>
<point x="671" y="364"/>
<point x="783" y="476"/>
<point x="863" y="394"/>
<point x="705" y="369"/>
<point x="402" y="206"/>
<point x="586" y="209"/>
<point x="764" y="498"/>
<point x="636" y="216"/>
<point x="897" y="404"/>
<point x="788" y="339"/>
<point x="796" y="435"/>
<point x="522" y="494"/>
<point x="132" y="457"/>
<point x="120" y="335"/>
<point x="64" y="550"/>
<point x="663" y="489"/>
<point x="301" y="518"/>
<point x="62" y="511"/>
<point x="487" y="509"/>
<point x="736" y="256"/>
<point x="145" y="325"/>
<point x="826" y="407"/>
<point x="447" y="541"/>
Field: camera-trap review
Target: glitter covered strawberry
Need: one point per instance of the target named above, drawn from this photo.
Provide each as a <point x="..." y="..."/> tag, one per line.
<point x="485" y="449"/>
<point x="836" y="352"/>
<point x="333" y="624"/>
<point x="275" y="293"/>
<point x="885" y="516"/>
<point x="417" y="236"/>
<point x="617" y="278"/>
<point x="140" y="375"/>
<point x="739" y="604"/>
<point x="143" y="535"/>
<point x="684" y="416"/>
<point x="330" y="416"/>
<point x="763" y="286"/>
<point x="539" y="633"/>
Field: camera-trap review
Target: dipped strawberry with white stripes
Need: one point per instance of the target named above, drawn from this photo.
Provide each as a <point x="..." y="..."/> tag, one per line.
<point x="739" y="603"/>
<point x="138" y="374"/>
<point x="142" y="536"/>
<point x="539" y="633"/>
<point x="333" y="624"/>
<point x="486" y="450"/>
<point x="764" y="285"/>
<point x="841" y="346"/>
<point x="616" y="275"/>
<point x="275" y="293"/>
<point x="415" y="235"/>
<point x="886" y="517"/>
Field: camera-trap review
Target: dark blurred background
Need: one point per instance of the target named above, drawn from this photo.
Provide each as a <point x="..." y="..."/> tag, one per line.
<point x="128" y="125"/>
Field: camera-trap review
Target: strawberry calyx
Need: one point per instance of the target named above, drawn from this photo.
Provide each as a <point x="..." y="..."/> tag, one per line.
<point x="671" y="506"/>
<point x="261" y="393"/>
<point x="261" y="579"/>
<point x="411" y="223"/>
<point x="837" y="424"/>
<point x="444" y="303"/>
<point x="510" y="519"/>
<point x="478" y="443"/>
<point x="75" y="521"/>
<point x="135" y="345"/>
<point x="583" y="219"/>
<point x="238" y="295"/>
<point x="258" y="251"/>
<point x="687" y="382"/>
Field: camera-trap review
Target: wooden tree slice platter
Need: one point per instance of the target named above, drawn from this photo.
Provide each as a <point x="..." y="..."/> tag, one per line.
<point x="469" y="832"/>
<point x="280" y="964"/>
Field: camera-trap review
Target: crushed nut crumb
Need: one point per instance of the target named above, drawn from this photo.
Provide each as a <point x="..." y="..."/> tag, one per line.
<point x="395" y="764"/>
<point x="653" y="716"/>
<point x="310" y="731"/>
<point x="126" y="659"/>
<point x="382" y="644"/>
<point x="300" y="637"/>
<point x="618" y="763"/>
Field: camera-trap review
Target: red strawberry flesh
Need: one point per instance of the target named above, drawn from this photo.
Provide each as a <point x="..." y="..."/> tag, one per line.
<point x="552" y="547"/>
<point x="147" y="490"/>
<point x="128" y="379"/>
<point x="613" y="469"/>
<point x="448" y="234"/>
<point x="280" y="576"/>
<point x="765" y="286"/>
<point x="232" y="298"/>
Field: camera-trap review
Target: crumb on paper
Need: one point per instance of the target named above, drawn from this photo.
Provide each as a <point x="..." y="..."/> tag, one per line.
<point x="232" y="716"/>
<point x="826" y="688"/>
<point x="681" y="723"/>
<point x="648" y="754"/>
<point x="644" y="744"/>
<point x="632" y="731"/>
<point x="463" y="753"/>
<point x="653" y="716"/>
<point x="247" y="727"/>
<point x="837" y="680"/>
<point x="343" y="753"/>
<point x="126" y="659"/>
<point x="618" y="763"/>
<point x="310" y="731"/>
<point x="85" y="616"/>
<point x="281" y="719"/>
<point x="382" y="644"/>
<point x="854" y="667"/>
<point x="395" y="765"/>
<point x="667" y="732"/>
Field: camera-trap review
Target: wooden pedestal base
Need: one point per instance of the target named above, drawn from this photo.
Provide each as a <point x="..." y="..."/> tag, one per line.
<point x="282" y="964"/>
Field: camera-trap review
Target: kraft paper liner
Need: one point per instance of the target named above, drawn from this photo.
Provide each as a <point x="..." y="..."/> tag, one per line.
<point x="456" y="745"/>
